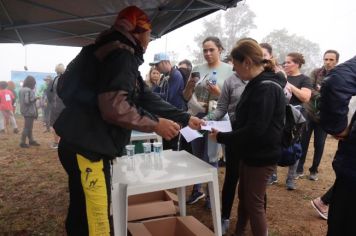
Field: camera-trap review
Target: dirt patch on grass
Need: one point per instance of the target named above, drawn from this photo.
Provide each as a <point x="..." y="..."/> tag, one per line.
<point x="34" y="193"/>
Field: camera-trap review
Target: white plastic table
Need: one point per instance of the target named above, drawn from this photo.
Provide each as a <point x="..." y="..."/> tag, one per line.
<point x="148" y="174"/>
<point x="138" y="136"/>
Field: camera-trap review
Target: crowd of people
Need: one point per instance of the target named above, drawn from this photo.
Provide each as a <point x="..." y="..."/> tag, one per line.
<point x="300" y="90"/>
<point x="249" y="88"/>
<point x="31" y="103"/>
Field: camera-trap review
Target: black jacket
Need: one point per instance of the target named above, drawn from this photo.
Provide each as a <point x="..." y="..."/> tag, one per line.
<point x="336" y="92"/>
<point x="124" y="102"/>
<point x="257" y="131"/>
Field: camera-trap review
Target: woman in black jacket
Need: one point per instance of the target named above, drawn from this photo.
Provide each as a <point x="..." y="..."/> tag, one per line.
<point x="257" y="132"/>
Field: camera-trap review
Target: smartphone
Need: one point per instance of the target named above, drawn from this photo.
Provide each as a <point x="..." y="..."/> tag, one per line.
<point x="196" y="75"/>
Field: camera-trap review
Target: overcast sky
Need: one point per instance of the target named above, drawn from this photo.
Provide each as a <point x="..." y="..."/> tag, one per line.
<point x="329" y="23"/>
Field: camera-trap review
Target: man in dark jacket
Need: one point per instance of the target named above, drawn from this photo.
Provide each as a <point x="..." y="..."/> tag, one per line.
<point x="331" y="58"/>
<point x="172" y="85"/>
<point x="93" y="134"/>
<point x="170" y="89"/>
<point x="336" y="93"/>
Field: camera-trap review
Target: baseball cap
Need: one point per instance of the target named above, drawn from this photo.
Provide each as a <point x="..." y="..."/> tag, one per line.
<point x="158" y="57"/>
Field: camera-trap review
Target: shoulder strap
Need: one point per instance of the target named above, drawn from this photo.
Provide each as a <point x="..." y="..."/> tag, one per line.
<point x="52" y="85"/>
<point x="271" y="82"/>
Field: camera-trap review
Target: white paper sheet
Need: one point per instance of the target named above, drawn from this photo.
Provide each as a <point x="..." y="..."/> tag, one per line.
<point x="222" y="126"/>
<point x="190" y="134"/>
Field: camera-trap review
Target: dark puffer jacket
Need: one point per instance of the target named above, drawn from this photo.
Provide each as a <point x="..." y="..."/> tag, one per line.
<point x="123" y="103"/>
<point x="257" y="130"/>
<point x="336" y="92"/>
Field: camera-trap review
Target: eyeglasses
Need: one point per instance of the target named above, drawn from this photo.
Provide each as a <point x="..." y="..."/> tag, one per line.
<point x="208" y="50"/>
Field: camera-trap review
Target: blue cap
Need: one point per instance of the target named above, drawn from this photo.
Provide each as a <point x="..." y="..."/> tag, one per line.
<point x="158" y="57"/>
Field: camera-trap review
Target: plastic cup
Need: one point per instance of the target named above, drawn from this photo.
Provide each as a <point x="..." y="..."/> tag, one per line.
<point x="146" y="148"/>
<point x="130" y="150"/>
<point x="157" y="149"/>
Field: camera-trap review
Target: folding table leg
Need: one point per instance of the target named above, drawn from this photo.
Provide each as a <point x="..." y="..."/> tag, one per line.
<point x="119" y="208"/>
<point x="215" y="203"/>
<point x="181" y="198"/>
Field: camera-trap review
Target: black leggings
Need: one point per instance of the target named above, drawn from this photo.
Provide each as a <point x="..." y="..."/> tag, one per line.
<point x="326" y="198"/>
<point x="230" y="182"/>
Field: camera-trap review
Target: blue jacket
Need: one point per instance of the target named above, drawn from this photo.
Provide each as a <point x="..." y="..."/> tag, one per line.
<point x="171" y="89"/>
<point x="336" y="92"/>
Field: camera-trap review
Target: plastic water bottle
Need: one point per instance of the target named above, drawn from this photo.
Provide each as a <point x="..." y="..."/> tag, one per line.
<point x="212" y="78"/>
<point x="212" y="103"/>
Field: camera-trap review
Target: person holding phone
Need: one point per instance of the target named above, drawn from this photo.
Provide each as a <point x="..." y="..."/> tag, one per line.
<point x="203" y="92"/>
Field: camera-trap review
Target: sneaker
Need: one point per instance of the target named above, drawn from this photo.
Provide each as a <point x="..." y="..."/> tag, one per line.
<point x="34" y="143"/>
<point x="207" y="204"/>
<point x="299" y="175"/>
<point x="196" y="196"/>
<point x="24" y="145"/>
<point x="290" y="184"/>
<point x="272" y="179"/>
<point x="320" y="207"/>
<point x="16" y="131"/>
<point x="313" y="176"/>
<point x="54" y="145"/>
<point x="225" y="224"/>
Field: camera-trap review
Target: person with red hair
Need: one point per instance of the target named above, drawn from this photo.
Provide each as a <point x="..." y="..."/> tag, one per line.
<point x="95" y="132"/>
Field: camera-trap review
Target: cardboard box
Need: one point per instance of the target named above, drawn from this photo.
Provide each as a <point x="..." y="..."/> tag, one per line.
<point x="152" y="205"/>
<point x="171" y="226"/>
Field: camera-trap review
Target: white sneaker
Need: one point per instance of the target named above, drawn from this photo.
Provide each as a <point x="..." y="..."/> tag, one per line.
<point x="299" y="175"/>
<point x="320" y="207"/>
<point x="225" y="224"/>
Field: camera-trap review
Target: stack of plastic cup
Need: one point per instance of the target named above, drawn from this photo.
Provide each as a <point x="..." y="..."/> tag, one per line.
<point x="147" y="149"/>
<point x="130" y="152"/>
<point x="157" y="149"/>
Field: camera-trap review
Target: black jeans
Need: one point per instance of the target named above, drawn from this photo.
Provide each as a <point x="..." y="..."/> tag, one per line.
<point x="341" y="219"/>
<point x="230" y="182"/>
<point x="89" y="194"/>
<point x="27" y="130"/>
<point x="319" y="142"/>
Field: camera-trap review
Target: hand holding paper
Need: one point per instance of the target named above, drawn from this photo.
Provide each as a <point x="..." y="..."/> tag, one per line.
<point x="190" y="134"/>
<point x="221" y="126"/>
<point x="195" y="122"/>
<point x="213" y="134"/>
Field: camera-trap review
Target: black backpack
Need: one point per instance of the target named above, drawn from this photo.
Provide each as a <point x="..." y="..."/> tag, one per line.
<point x="78" y="84"/>
<point x="294" y="125"/>
<point x="292" y="133"/>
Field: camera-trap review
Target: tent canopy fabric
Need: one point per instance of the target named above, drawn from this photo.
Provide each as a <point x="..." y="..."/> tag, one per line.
<point x="78" y="22"/>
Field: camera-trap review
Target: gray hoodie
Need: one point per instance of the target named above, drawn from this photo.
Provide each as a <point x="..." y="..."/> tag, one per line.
<point x="230" y="96"/>
<point x="28" y="102"/>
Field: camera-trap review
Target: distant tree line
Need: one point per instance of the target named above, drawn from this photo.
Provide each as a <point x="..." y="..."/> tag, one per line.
<point x="236" y="23"/>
